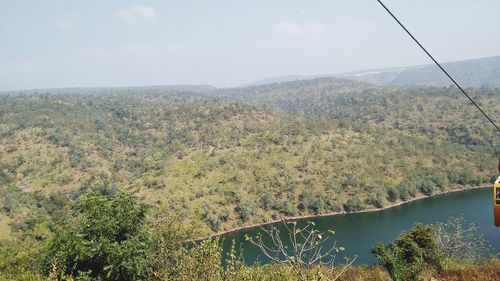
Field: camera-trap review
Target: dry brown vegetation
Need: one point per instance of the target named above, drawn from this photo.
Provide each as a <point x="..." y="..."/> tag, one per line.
<point x="490" y="271"/>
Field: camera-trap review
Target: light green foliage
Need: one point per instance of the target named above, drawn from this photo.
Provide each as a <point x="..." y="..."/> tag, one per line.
<point x="202" y="261"/>
<point x="406" y="257"/>
<point x="105" y="241"/>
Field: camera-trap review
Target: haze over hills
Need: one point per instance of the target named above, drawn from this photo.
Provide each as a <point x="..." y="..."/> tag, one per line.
<point x="212" y="160"/>
<point x="200" y="88"/>
<point x="470" y="73"/>
<point x="482" y="72"/>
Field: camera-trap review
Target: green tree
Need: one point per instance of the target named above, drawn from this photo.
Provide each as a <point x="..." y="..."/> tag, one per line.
<point x="392" y="194"/>
<point x="312" y="202"/>
<point x="10" y="201"/>
<point x="202" y="262"/>
<point x="427" y="187"/>
<point x="406" y="257"/>
<point x="245" y="210"/>
<point x="105" y="241"/>
<point x="376" y="200"/>
<point x="353" y="205"/>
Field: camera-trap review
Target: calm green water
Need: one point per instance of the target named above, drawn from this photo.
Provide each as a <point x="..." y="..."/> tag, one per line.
<point x="359" y="232"/>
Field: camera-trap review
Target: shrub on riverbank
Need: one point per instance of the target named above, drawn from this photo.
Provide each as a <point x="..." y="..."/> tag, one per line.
<point x="414" y="251"/>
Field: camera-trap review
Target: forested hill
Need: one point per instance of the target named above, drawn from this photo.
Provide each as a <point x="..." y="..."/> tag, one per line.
<point x="235" y="157"/>
<point x="433" y="111"/>
<point x="483" y="72"/>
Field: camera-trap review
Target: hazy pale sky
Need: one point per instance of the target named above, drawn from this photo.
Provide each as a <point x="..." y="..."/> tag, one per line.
<point x="60" y="43"/>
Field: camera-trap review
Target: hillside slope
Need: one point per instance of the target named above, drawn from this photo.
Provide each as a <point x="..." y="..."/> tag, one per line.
<point x="221" y="162"/>
<point x="433" y="111"/>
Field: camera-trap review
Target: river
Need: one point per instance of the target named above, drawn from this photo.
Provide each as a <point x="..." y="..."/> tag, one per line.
<point x="357" y="233"/>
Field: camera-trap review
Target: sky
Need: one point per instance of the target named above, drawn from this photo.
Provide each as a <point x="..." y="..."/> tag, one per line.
<point x="60" y="43"/>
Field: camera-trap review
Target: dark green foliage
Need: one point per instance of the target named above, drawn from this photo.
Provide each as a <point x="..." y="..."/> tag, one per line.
<point x="376" y="200"/>
<point x="406" y="257"/>
<point x="10" y="201"/>
<point x="353" y="205"/>
<point x="404" y="195"/>
<point x="245" y="210"/>
<point x="351" y="181"/>
<point x="440" y="180"/>
<point x="213" y="219"/>
<point x="288" y="209"/>
<point x="311" y="202"/>
<point x="428" y="187"/>
<point x="407" y="190"/>
<point x="268" y="201"/>
<point x="463" y="176"/>
<point x="106" y="240"/>
<point x="392" y="194"/>
<point x="4" y="179"/>
<point x="493" y="178"/>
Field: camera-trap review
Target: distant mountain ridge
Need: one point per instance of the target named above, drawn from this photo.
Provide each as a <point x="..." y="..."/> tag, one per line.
<point x="470" y="73"/>
<point x="195" y="88"/>
<point x="482" y="72"/>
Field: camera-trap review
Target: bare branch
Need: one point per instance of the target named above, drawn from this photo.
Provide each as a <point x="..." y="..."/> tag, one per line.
<point x="304" y="247"/>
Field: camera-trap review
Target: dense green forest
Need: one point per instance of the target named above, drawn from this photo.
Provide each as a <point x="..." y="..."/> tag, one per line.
<point x="436" y="112"/>
<point x="220" y="159"/>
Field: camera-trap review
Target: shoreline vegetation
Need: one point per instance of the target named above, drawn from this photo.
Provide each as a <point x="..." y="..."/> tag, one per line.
<point x="331" y="214"/>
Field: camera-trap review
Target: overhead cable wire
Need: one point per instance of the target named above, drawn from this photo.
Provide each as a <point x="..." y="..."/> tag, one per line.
<point x="439" y="65"/>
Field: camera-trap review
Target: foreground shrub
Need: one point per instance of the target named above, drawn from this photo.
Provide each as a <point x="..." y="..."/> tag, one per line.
<point x="406" y="257"/>
<point x="105" y="241"/>
<point x="200" y="262"/>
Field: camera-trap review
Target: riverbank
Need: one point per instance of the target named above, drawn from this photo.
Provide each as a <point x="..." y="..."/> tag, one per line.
<point x="330" y="214"/>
